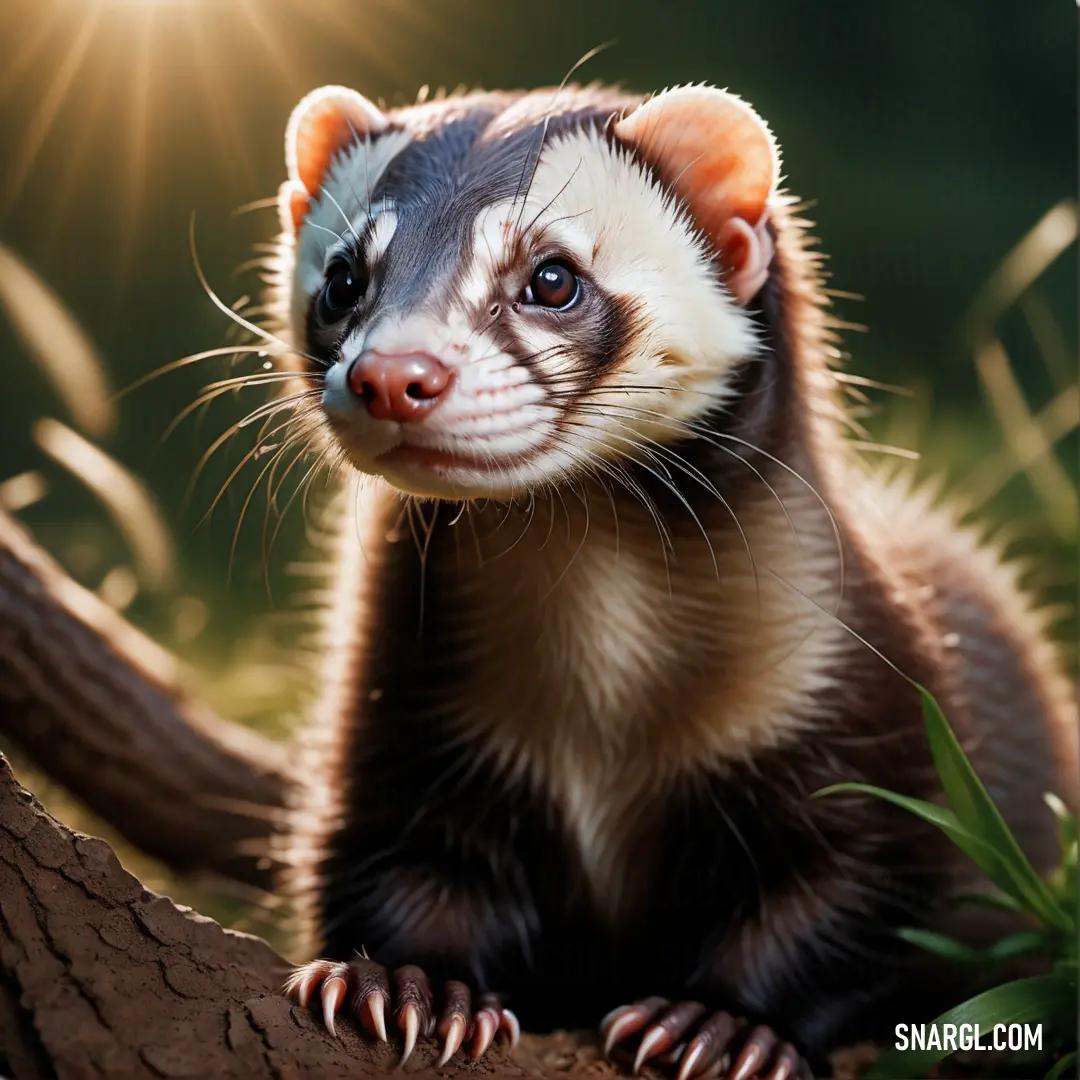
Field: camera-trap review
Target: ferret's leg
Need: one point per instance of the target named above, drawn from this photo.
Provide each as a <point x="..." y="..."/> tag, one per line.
<point x="426" y="931"/>
<point x="772" y="923"/>
<point x="431" y="895"/>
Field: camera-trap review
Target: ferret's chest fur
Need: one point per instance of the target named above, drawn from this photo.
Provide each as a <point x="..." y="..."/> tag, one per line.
<point x="604" y="671"/>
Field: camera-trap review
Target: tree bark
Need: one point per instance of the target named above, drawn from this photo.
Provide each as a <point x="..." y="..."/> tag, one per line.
<point x="101" y="978"/>
<point x="99" y="707"/>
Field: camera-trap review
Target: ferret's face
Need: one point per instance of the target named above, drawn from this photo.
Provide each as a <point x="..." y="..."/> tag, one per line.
<point x="509" y="293"/>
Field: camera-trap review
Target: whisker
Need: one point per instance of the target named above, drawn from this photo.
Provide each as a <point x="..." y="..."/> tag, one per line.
<point x="695" y="474"/>
<point x="710" y="436"/>
<point x="269" y="203"/>
<point x="264" y="411"/>
<point x="305" y="480"/>
<point x="253" y="453"/>
<point x="348" y="223"/>
<point x="596" y="50"/>
<point x="207" y="398"/>
<point x="243" y="508"/>
<point x="253" y="328"/>
<point x="173" y="365"/>
<point x="303" y="438"/>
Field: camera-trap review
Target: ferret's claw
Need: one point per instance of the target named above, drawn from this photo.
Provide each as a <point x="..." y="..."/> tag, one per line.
<point x="655" y="1041"/>
<point x="333" y="993"/>
<point x="628" y="1020"/>
<point x="409" y="1022"/>
<point x="617" y="1026"/>
<point x="454" y="1036"/>
<point x="508" y="1022"/>
<point x="306" y="979"/>
<point x="301" y="983"/>
<point x="693" y="1063"/>
<point x="486" y="1024"/>
<point x="755" y="1053"/>
<point x="668" y="1030"/>
<point x="705" y="1051"/>
<point x="373" y="1015"/>
<point x="788" y="1065"/>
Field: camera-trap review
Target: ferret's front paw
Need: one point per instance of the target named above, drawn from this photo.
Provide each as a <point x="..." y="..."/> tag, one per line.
<point x="365" y="986"/>
<point x="701" y="1044"/>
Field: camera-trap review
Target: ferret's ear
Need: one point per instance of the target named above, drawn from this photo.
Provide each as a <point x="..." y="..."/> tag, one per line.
<point x="325" y="122"/>
<point x="720" y="156"/>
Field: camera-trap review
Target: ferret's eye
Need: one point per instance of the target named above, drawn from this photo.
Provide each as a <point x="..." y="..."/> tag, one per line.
<point x="344" y="287"/>
<point x="553" y="285"/>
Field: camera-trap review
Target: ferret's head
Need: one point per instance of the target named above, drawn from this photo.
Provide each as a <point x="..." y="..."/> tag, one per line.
<point x="508" y="292"/>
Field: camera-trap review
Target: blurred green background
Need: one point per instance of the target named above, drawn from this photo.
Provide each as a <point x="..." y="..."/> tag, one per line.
<point x="931" y="136"/>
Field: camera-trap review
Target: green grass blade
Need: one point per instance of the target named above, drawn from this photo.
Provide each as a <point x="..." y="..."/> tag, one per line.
<point x="1044" y="999"/>
<point x="1024" y="941"/>
<point x="1062" y="1067"/>
<point x="940" y="945"/>
<point x="940" y="816"/>
<point x="976" y="849"/>
<point x="977" y="814"/>
<point x="1066" y="822"/>
<point x="998" y="901"/>
<point x="1063" y="880"/>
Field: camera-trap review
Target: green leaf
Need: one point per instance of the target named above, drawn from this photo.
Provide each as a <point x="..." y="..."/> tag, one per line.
<point x="977" y="850"/>
<point x="1062" y="880"/>
<point x="1062" y="1067"/>
<point x="976" y="813"/>
<point x="1017" y="944"/>
<point x="1024" y="941"/>
<point x="1044" y="999"/>
<point x="999" y="901"/>
<point x="940" y="945"/>
<point x="1066" y="967"/>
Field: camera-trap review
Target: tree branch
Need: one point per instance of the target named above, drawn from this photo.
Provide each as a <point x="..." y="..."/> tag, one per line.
<point x="99" y="707"/>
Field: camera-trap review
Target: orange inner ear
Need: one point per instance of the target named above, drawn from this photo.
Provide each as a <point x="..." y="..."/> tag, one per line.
<point x="295" y="204"/>
<point x="322" y="124"/>
<point x="712" y="147"/>
<point x="736" y="242"/>
<point x="322" y="132"/>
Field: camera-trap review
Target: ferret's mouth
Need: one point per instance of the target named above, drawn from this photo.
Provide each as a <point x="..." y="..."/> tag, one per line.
<point x="455" y="474"/>
<point x="425" y="457"/>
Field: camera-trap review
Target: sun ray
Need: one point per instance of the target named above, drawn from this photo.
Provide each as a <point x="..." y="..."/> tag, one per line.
<point x="233" y="148"/>
<point x="282" y="60"/>
<point x="29" y="47"/>
<point x="84" y="139"/>
<point x="138" y="149"/>
<point x="42" y="121"/>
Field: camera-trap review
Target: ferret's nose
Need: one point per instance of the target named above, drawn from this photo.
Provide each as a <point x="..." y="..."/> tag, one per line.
<point x="402" y="387"/>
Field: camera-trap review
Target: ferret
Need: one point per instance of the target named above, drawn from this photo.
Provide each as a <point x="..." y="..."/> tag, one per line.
<point x="614" y="597"/>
